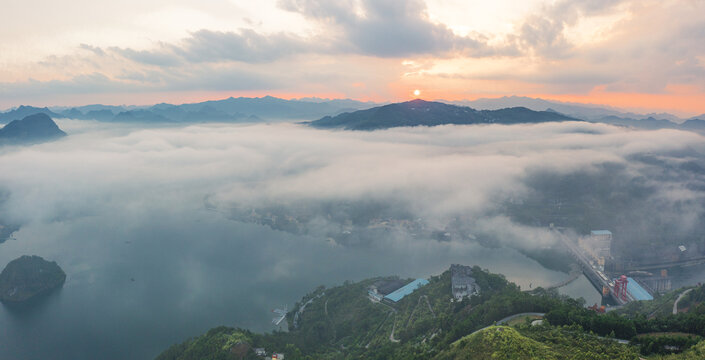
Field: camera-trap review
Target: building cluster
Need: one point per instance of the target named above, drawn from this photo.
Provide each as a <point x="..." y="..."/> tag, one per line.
<point x="598" y="245"/>
<point x="462" y="283"/>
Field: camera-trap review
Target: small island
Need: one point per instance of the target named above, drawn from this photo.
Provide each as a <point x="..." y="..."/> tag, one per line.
<point x="28" y="277"/>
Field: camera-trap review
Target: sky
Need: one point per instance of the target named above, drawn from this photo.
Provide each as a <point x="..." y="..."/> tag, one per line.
<point x="640" y="55"/>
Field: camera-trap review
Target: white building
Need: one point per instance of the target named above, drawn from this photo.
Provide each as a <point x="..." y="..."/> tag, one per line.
<point x="462" y="282"/>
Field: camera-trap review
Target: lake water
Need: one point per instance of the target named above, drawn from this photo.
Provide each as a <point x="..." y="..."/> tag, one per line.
<point x="134" y="289"/>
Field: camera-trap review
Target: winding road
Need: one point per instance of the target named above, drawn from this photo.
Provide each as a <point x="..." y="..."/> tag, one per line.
<point x="512" y="317"/>
<point x="675" y="303"/>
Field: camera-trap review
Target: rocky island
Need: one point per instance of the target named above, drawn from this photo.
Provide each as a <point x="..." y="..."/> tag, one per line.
<point x="29" y="276"/>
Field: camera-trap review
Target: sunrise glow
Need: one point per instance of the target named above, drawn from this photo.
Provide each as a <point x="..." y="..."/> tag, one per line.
<point x="131" y="54"/>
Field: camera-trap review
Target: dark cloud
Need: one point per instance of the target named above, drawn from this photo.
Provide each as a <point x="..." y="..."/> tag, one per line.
<point x="246" y="46"/>
<point x="94" y="49"/>
<point x="163" y="55"/>
<point x="205" y="46"/>
<point x="388" y="28"/>
<point x="543" y="36"/>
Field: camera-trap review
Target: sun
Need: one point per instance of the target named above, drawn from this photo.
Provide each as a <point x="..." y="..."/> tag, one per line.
<point x="417" y="92"/>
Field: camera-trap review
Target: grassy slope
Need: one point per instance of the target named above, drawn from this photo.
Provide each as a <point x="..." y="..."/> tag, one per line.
<point x="502" y="342"/>
<point x="697" y="352"/>
<point x="497" y="342"/>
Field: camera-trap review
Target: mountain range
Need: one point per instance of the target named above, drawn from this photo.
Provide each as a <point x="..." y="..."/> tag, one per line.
<point x="577" y="110"/>
<point x="240" y="109"/>
<point x="249" y="109"/>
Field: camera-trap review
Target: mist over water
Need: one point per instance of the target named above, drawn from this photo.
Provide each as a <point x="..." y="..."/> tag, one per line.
<point x="194" y="272"/>
<point x="141" y="219"/>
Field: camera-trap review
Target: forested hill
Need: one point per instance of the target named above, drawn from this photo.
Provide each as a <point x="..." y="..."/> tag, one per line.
<point x="343" y="323"/>
<point x="429" y="113"/>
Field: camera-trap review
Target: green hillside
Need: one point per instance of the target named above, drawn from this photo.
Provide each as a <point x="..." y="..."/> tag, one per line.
<point x="343" y="323"/>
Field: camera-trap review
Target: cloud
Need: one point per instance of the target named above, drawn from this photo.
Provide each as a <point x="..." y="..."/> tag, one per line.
<point x="162" y="56"/>
<point x="116" y="202"/>
<point x="205" y="46"/>
<point x="438" y="174"/>
<point x="94" y="49"/>
<point x="388" y="28"/>
<point x="543" y="33"/>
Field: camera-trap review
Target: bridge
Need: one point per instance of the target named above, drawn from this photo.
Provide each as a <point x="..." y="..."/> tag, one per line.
<point x="667" y="265"/>
<point x="597" y="278"/>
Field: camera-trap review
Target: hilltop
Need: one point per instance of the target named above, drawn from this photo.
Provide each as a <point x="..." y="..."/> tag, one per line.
<point x="429" y="113"/>
<point x="34" y="128"/>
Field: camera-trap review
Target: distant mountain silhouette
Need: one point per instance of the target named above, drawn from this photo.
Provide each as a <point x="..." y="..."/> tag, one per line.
<point x="429" y="113"/>
<point x="32" y="129"/>
<point x="24" y="111"/>
<point x="648" y="123"/>
<point x="100" y="115"/>
<point x="242" y="109"/>
<point x="590" y="112"/>
<point x="140" y="116"/>
<point x="694" y="124"/>
<point x="269" y="107"/>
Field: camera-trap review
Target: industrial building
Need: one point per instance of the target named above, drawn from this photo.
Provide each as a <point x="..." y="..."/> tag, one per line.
<point x="379" y="289"/>
<point x="393" y="289"/>
<point x="637" y="291"/>
<point x="405" y="290"/>
<point x="628" y="289"/>
<point x="462" y="282"/>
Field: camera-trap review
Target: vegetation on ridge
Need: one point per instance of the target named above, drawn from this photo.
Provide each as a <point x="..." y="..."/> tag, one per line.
<point x="342" y="323"/>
